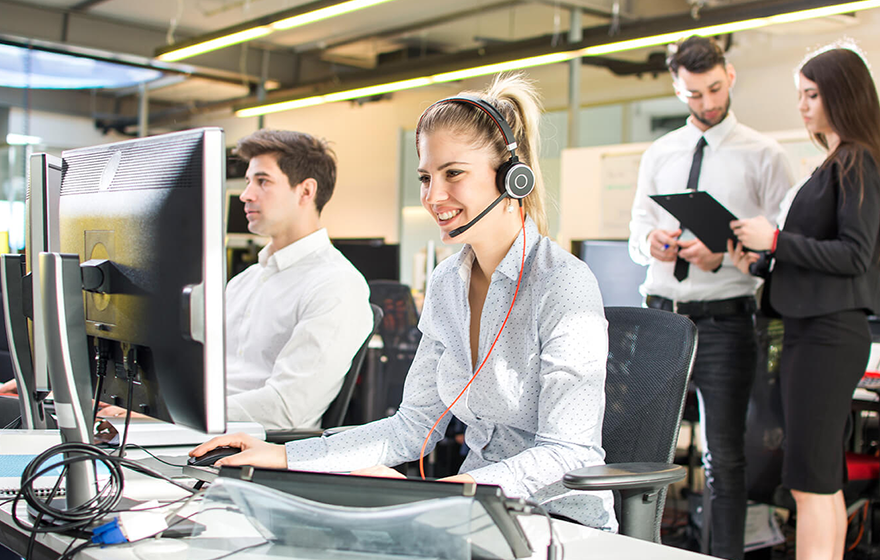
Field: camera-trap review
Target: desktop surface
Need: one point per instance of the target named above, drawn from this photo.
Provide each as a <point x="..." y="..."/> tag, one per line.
<point x="579" y="541"/>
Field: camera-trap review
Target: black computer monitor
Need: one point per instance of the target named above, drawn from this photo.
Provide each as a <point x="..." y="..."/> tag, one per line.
<point x="374" y="258"/>
<point x="236" y="219"/>
<point x="618" y="276"/>
<point x="145" y="219"/>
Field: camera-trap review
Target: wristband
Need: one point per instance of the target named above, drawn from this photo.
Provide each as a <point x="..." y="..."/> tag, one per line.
<point x="775" y="240"/>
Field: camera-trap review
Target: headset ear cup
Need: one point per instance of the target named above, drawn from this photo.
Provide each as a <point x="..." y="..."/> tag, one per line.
<point x="501" y="176"/>
<point x="517" y="179"/>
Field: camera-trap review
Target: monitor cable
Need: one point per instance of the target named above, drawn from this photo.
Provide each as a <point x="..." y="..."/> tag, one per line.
<point x="102" y="354"/>
<point x="555" y="550"/>
<point x="130" y="365"/>
<point x="77" y="519"/>
<point x="491" y="348"/>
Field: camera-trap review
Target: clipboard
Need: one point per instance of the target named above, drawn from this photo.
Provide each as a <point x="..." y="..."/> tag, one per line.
<point x="699" y="212"/>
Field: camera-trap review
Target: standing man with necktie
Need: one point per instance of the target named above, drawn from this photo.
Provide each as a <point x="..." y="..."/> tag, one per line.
<point x="749" y="174"/>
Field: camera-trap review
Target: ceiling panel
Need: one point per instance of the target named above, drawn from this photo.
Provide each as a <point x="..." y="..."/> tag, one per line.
<point x="192" y="15"/>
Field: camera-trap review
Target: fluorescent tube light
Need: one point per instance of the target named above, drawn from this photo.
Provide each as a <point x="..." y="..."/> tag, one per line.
<point x="22" y="139"/>
<point x="552" y="58"/>
<point x="214" y="44"/>
<point x="263" y="29"/>
<point x="324" y="13"/>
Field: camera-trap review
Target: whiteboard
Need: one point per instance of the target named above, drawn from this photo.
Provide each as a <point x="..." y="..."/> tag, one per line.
<point x="620" y="175"/>
<point x="598" y="184"/>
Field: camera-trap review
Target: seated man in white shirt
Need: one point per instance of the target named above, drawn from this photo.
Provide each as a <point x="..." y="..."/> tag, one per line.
<point x="296" y="318"/>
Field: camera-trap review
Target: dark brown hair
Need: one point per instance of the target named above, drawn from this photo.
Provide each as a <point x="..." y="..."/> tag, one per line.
<point x="300" y="156"/>
<point x="695" y="54"/>
<point x="849" y="99"/>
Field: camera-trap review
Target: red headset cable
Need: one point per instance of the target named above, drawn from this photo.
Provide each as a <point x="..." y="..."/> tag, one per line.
<point x="448" y="408"/>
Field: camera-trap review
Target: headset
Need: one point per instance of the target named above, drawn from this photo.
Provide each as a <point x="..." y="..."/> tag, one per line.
<point x="514" y="179"/>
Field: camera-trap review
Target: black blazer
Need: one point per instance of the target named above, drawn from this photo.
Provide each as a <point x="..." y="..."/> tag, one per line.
<point x="828" y="254"/>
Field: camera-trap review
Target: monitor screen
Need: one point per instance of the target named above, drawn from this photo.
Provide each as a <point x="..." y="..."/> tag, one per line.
<point x="374" y="258"/>
<point x="236" y="220"/>
<point x="153" y="208"/>
<point x="619" y="277"/>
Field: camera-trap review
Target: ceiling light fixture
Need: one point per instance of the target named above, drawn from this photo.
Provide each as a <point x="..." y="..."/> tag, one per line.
<point x="248" y="31"/>
<point x="14" y="139"/>
<point x="552" y="58"/>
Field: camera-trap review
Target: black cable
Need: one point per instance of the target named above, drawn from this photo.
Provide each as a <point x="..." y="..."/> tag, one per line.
<point x="148" y="452"/>
<point x="97" y="399"/>
<point x="127" y="415"/>
<point x="101" y="355"/>
<point x="68" y="553"/>
<point x="79" y="548"/>
<point x="104" y="501"/>
<point x="33" y="538"/>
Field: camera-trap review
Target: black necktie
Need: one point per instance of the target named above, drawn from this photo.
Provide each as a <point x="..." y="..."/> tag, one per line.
<point x="681" y="265"/>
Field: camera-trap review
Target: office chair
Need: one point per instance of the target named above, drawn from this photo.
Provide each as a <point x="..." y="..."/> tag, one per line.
<point x="400" y="326"/>
<point x="335" y="413"/>
<point x="650" y="357"/>
<point x="381" y="388"/>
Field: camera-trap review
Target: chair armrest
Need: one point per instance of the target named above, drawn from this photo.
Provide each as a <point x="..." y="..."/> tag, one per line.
<point x="624" y="476"/>
<point x="283" y="436"/>
<point x="640" y="486"/>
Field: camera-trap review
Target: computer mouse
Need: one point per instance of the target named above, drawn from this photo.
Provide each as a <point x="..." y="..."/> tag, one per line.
<point x="211" y="456"/>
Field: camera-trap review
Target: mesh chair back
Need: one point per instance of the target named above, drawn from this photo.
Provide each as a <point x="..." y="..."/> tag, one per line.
<point x="400" y="327"/>
<point x="650" y="356"/>
<point x="335" y="413"/>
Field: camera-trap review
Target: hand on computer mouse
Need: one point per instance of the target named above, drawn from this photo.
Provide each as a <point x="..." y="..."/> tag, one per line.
<point x="253" y="452"/>
<point x="212" y="456"/>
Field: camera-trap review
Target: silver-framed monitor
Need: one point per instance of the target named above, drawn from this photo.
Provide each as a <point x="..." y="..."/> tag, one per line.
<point x="145" y="219"/>
<point x="25" y="329"/>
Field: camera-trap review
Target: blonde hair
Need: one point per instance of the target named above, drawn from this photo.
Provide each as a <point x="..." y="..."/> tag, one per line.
<point x="517" y="99"/>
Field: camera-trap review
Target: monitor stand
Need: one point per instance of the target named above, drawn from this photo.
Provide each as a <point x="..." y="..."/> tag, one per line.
<point x="68" y="362"/>
<point x="17" y="307"/>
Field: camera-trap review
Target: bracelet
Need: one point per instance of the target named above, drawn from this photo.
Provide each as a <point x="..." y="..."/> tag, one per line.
<point x="775" y="240"/>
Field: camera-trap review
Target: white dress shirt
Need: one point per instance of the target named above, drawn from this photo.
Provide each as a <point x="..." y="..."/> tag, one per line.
<point x="293" y="323"/>
<point x="535" y="410"/>
<point x="744" y="170"/>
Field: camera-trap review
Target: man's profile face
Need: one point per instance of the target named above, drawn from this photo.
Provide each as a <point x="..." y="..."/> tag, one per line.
<point x="270" y="203"/>
<point x="707" y="94"/>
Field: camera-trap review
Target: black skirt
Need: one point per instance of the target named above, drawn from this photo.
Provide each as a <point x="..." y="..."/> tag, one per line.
<point x="823" y="359"/>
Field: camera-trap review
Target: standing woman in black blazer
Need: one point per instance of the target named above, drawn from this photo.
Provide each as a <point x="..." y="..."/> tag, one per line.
<point x="824" y="283"/>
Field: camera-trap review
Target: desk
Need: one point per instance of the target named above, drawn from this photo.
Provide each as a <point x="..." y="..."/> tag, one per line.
<point x="579" y="541"/>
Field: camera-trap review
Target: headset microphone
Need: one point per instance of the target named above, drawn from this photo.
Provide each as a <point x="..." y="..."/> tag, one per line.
<point x="458" y="231"/>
